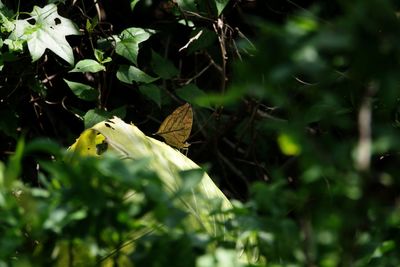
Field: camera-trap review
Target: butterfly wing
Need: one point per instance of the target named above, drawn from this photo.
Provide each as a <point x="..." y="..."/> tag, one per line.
<point x="176" y="128"/>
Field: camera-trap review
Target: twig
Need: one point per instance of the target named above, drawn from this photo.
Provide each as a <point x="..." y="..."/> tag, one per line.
<point x="198" y="74"/>
<point x="191" y="40"/>
<point x="220" y="29"/>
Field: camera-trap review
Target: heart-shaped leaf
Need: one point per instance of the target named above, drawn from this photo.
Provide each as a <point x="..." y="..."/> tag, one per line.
<point x="129" y="74"/>
<point x="82" y="91"/>
<point x="128" y="43"/>
<point x="88" y="65"/>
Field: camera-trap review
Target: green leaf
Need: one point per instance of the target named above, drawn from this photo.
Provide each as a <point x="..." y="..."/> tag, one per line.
<point x="82" y="91"/>
<point x="163" y="67"/>
<point x="88" y="65"/>
<point x="221" y="4"/>
<point x="288" y="145"/>
<point x="91" y="24"/>
<point x="189" y="5"/>
<point x="384" y="248"/>
<point x="6" y="24"/>
<point x="17" y="38"/>
<point x="56" y="220"/>
<point x="227" y="98"/>
<point x="99" y="55"/>
<point x="191" y="93"/>
<point x="48" y="32"/>
<point x="96" y="115"/>
<point x="4" y="11"/>
<point x="128" y="44"/>
<point x="152" y="92"/>
<point x="133" y="4"/>
<point x="130" y="74"/>
<point x="15" y="45"/>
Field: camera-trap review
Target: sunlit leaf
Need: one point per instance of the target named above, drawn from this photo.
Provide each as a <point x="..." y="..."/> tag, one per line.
<point x="130" y="74"/>
<point x="384" y="248"/>
<point x="82" y="91"/>
<point x="96" y="115"/>
<point x="128" y="44"/>
<point x="48" y="32"/>
<point x="133" y="4"/>
<point x="88" y="65"/>
<point x="288" y="145"/>
<point x="99" y="55"/>
<point x="127" y="141"/>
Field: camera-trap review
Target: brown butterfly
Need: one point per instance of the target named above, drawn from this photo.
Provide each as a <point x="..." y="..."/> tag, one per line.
<point x="176" y="128"/>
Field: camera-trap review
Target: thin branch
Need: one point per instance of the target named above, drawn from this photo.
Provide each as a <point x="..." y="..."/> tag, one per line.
<point x="198" y="74"/>
<point x="191" y="40"/>
<point x="220" y="29"/>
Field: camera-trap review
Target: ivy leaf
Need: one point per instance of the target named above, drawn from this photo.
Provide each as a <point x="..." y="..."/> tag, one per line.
<point x="152" y="92"/>
<point x="96" y="115"/>
<point x="221" y="4"/>
<point x="88" y="65"/>
<point x="99" y="55"/>
<point x="48" y="32"/>
<point x="163" y="67"/>
<point x="191" y="93"/>
<point x="128" y="43"/>
<point x="129" y="74"/>
<point x="6" y="24"/>
<point x="83" y="91"/>
<point x="133" y="4"/>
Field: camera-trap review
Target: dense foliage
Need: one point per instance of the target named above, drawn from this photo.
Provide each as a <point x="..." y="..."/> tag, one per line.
<point x="296" y="116"/>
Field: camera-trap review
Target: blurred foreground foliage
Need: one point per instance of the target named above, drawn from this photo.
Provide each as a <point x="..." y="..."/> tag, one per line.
<point x="296" y="108"/>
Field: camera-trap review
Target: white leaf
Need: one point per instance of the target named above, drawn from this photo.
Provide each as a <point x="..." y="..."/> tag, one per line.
<point x="48" y="32"/>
